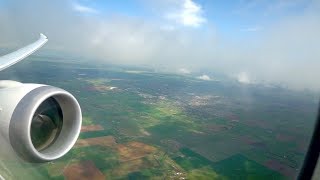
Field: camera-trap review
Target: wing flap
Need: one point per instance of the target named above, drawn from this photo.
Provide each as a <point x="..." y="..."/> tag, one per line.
<point x="16" y="56"/>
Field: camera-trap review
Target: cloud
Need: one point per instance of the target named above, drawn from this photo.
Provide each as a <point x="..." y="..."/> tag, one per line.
<point x="243" y="77"/>
<point x="285" y="52"/>
<point x="168" y="28"/>
<point x="204" y="77"/>
<point x="184" y="71"/>
<point x="189" y="14"/>
<point x="83" y="9"/>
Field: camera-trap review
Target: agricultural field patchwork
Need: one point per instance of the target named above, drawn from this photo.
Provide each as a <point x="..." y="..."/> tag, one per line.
<point x="138" y="124"/>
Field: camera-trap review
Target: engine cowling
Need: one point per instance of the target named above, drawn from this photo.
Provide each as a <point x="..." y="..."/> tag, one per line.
<point x="40" y="122"/>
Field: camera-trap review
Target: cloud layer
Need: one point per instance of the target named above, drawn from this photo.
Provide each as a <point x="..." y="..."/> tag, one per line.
<point x="189" y="14"/>
<point x="83" y="9"/>
<point x="284" y="51"/>
<point x="204" y="77"/>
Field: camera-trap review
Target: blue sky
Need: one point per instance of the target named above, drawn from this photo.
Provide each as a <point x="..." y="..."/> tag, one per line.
<point x="253" y="41"/>
<point x="234" y="18"/>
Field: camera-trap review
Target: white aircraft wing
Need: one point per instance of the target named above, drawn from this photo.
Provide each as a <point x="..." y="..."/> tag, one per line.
<point x="16" y="56"/>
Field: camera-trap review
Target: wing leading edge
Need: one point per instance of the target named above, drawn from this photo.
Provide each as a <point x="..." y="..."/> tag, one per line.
<point x="16" y="56"/>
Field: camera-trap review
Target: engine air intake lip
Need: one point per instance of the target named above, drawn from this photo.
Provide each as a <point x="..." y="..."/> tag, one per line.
<point x="62" y="121"/>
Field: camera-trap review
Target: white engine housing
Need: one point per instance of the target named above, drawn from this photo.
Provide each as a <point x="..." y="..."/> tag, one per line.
<point x="18" y="105"/>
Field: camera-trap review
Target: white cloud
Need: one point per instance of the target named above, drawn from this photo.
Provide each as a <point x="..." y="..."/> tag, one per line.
<point x="83" y="9"/>
<point x="184" y="71"/>
<point x="243" y="77"/>
<point x="285" y="52"/>
<point x="205" y="77"/>
<point x="189" y="14"/>
<point x="168" y="28"/>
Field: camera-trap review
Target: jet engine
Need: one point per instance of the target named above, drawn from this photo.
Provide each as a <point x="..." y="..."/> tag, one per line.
<point x="40" y="122"/>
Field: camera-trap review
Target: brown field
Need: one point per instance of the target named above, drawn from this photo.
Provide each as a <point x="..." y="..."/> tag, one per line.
<point x="171" y="144"/>
<point x="247" y="140"/>
<point x="284" y="137"/>
<point x="216" y="127"/>
<point x="130" y="166"/>
<point x="133" y="150"/>
<point x="282" y="168"/>
<point x="83" y="170"/>
<point x="107" y="141"/>
<point x="233" y="117"/>
<point x="259" y="123"/>
<point x="260" y="145"/>
<point x="56" y="168"/>
<point x="91" y="128"/>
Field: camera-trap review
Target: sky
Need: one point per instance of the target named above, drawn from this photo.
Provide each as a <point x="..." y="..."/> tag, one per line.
<point x="253" y="41"/>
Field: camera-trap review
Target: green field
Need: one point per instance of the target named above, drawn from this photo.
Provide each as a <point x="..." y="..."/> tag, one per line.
<point x="184" y="128"/>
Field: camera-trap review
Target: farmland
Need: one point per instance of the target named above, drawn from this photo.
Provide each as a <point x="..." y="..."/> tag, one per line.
<point x="141" y="124"/>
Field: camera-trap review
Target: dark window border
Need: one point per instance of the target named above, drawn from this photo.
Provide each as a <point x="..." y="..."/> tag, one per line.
<point x="312" y="156"/>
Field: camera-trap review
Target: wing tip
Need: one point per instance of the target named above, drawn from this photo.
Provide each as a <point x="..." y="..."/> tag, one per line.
<point x="43" y="36"/>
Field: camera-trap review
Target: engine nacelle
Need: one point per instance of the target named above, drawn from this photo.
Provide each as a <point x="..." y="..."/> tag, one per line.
<point x="42" y="123"/>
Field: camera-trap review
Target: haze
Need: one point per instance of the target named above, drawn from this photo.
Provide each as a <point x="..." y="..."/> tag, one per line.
<point x="255" y="41"/>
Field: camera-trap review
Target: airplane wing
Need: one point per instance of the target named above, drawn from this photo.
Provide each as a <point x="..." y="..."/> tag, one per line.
<point x="22" y="105"/>
<point x="16" y="56"/>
